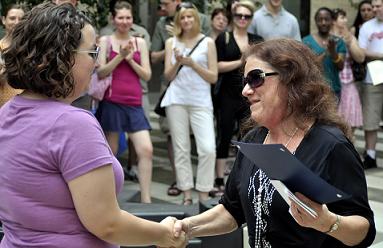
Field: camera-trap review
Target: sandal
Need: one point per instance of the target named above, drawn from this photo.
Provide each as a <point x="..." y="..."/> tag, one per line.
<point x="219" y="188"/>
<point x="187" y="202"/>
<point x="173" y="190"/>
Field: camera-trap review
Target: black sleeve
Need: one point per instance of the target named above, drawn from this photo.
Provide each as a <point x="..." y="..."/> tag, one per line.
<point x="220" y="44"/>
<point x="346" y="173"/>
<point x="231" y="199"/>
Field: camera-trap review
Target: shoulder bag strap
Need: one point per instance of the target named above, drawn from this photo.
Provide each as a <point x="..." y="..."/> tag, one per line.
<point x="191" y="51"/>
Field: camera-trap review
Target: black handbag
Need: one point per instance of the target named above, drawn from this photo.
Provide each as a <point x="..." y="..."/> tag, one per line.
<point x="161" y="110"/>
<point x="359" y="70"/>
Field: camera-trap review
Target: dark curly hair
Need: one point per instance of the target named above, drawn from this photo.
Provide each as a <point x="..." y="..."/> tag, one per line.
<point x="309" y="96"/>
<point x="41" y="55"/>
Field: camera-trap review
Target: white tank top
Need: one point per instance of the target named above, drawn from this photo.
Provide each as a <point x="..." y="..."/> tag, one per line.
<point x="189" y="88"/>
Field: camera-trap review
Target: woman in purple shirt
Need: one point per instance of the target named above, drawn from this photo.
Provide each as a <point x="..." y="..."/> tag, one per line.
<point x="59" y="178"/>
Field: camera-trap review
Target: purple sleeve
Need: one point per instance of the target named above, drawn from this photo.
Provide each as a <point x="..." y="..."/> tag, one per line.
<point x="78" y="144"/>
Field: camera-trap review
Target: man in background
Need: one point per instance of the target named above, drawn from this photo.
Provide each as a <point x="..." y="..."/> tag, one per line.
<point x="273" y="21"/>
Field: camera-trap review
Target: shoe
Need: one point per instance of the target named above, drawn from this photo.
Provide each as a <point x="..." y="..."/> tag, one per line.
<point x="173" y="190"/>
<point x="187" y="202"/>
<point x="131" y="175"/>
<point x="369" y="162"/>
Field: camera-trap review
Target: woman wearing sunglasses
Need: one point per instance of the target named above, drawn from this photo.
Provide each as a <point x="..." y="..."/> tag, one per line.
<point x="230" y="106"/>
<point x="59" y="179"/>
<point x="191" y="67"/>
<point x="291" y="104"/>
<point x="127" y="59"/>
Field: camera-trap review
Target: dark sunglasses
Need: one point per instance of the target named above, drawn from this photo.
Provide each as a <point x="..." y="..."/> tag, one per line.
<point x="241" y="16"/>
<point x="185" y="5"/>
<point x="256" y="77"/>
<point x="92" y="53"/>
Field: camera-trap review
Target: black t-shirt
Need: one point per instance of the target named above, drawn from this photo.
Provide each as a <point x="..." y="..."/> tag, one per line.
<point x="232" y="81"/>
<point x="325" y="151"/>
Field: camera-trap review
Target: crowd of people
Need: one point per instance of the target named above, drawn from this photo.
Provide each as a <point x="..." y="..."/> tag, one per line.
<point x="242" y="73"/>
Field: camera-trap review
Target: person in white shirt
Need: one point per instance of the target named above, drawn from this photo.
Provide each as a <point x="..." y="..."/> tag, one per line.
<point x="370" y="39"/>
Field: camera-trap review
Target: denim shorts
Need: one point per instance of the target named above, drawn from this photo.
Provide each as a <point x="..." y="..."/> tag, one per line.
<point x="116" y="117"/>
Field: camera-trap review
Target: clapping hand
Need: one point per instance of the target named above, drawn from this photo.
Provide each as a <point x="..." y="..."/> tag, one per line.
<point x="170" y="28"/>
<point x="127" y="50"/>
<point x="171" y="240"/>
<point x="321" y="223"/>
<point x="183" y="60"/>
<point x="331" y="46"/>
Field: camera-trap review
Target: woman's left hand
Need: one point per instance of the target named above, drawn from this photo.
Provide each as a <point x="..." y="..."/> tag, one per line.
<point x="320" y="223"/>
<point x="187" y="61"/>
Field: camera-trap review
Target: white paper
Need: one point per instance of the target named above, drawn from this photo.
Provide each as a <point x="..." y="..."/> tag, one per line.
<point x="287" y="195"/>
<point x="375" y="68"/>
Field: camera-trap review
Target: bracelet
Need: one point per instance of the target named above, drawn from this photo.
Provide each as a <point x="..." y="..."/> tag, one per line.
<point x="334" y="226"/>
<point x="337" y="60"/>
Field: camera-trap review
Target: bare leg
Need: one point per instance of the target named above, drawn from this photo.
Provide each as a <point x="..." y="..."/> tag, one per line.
<point x="143" y="146"/>
<point x="220" y="167"/>
<point x="112" y="138"/>
<point x="371" y="139"/>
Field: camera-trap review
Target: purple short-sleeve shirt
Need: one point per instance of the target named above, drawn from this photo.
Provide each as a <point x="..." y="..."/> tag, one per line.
<point x="44" y="144"/>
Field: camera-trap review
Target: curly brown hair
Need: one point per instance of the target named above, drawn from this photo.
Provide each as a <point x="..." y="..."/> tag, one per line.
<point x="309" y="96"/>
<point x="41" y="55"/>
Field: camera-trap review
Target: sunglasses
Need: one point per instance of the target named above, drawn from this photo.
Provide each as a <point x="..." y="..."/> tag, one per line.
<point x="185" y="5"/>
<point x="92" y="53"/>
<point x="256" y="77"/>
<point x="241" y="16"/>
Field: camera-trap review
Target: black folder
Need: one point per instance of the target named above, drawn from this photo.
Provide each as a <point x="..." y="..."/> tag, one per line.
<point x="278" y="163"/>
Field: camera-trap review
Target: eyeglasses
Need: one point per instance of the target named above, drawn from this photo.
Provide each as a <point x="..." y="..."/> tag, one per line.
<point x="185" y="5"/>
<point x="241" y="16"/>
<point x="92" y="53"/>
<point x="256" y="77"/>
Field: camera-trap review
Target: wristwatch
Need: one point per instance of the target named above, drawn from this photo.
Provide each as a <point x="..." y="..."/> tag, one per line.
<point x="334" y="226"/>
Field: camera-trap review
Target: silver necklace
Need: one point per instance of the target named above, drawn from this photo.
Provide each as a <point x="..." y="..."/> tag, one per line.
<point x="287" y="143"/>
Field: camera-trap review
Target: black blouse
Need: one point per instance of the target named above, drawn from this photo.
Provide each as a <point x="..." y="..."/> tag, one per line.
<point x="325" y="151"/>
<point x="232" y="84"/>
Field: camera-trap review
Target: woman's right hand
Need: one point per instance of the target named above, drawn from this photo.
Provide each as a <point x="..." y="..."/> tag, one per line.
<point x="127" y="50"/>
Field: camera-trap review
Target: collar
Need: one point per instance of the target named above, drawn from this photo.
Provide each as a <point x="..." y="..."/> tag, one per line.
<point x="265" y="11"/>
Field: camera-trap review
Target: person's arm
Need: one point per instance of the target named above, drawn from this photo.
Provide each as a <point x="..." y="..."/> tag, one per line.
<point x="94" y="198"/>
<point x="157" y="56"/>
<point x="107" y="67"/>
<point x="225" y="66"/>
<point x="209" y="74"/>
<point x="370" y="56"/>
<point x="351" y="229"/>
<point x="214" y="221"/>
<point x="170" y="70"/>
<point x="356" y="52"/>
<point x="143" y="70"/>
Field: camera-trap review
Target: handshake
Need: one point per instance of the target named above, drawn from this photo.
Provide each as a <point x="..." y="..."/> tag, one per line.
<point x="178" y="233"/>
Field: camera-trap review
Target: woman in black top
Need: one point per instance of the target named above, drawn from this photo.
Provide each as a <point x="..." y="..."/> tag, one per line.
<point x="292" y="105"/>
<point x="231" y="106"/>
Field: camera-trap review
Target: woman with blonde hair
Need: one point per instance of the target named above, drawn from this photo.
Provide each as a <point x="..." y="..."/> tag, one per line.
<point x="191" y="67"/>
<point x="12" y="16"/>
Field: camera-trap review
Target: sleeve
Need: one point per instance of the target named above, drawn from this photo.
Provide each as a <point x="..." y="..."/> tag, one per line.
<point x="157" y="42"/>
<point x="78" y="145"/>
<point x="231" y="198"/>
<point x="346" y="173"/>
<point x="363" y="37"/>
<point x="205" y="24"/>
<point x="296" y="32"/>
<point x="341" y="47"/>
<point x="220" y="44"/>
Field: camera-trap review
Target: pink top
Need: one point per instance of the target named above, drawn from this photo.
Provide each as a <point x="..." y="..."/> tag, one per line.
<point x="126" y="87"/>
